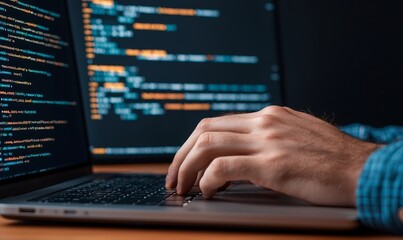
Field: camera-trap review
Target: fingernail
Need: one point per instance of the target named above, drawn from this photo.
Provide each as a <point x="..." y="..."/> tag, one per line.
<point x="206" y="196"/>
<point x="169" y="186"/>
<point x="178" y="191"/>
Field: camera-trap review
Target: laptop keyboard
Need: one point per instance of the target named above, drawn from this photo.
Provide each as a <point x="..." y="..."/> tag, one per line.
<point x="121" y="190"/>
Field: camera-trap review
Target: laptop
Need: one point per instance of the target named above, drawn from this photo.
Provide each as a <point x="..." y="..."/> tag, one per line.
<point x="45" y="168"/>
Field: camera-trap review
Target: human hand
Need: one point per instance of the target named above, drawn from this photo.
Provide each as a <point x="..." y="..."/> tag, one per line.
<point x="277" y="148"/>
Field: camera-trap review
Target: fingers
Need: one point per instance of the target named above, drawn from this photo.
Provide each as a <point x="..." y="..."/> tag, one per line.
<point x="231" y="123"/>
<point x="199" y="176"/>
<point x="226" y="169"/>
<point x="193" y="157"/>
<point x="208" y="147"/>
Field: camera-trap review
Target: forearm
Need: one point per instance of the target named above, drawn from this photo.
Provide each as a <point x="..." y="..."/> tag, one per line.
<point x="380" y="189"/>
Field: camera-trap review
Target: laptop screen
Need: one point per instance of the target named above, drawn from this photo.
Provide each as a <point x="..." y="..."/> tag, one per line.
<point x="41" y="123"/>
<point x="151" y="70"/>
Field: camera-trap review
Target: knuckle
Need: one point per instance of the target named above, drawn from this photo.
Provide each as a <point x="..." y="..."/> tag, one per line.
<point x="204" y="140"/>
<point x="265" y="121"/>
<point x="204" y="124"/>
<point x="289" y="109"/>
<point x="274" y="110"/>
<point x="218" y="166"/>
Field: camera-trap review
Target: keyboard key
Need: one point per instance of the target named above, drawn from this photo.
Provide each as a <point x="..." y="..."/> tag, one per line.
<point x="146" y="190"/>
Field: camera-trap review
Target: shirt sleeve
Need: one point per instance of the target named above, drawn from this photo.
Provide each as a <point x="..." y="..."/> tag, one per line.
<point x="380" y="189"/>
<point x="377" y="135"/>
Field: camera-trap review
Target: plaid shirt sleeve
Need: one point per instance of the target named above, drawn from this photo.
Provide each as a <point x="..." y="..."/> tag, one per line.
<point x="370" y="134"/>
<point x="380" y="187"/>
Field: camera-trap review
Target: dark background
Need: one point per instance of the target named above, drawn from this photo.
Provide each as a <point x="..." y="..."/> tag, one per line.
<point x="344" y="59"/>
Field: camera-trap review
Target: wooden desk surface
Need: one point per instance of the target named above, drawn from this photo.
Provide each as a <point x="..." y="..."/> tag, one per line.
<point x="12" y="230"/>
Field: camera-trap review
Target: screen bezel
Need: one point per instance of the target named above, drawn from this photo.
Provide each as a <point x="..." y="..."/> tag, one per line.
<point x="26" y="183"/>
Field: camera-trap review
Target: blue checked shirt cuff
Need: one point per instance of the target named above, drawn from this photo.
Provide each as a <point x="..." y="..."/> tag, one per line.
<point x="378" y="135"/>
<point x="380" y="190"/>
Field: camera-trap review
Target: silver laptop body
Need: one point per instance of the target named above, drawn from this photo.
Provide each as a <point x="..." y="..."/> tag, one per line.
<point x="241" y="205"/>
<point x="61" y="160"/>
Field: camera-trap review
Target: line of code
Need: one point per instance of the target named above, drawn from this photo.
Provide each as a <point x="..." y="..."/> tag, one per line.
<point x="33" y="61"/>
<point x="149" y="61"/>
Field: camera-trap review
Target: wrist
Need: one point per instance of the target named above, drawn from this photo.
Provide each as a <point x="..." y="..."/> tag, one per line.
<point x="364" y="151"/>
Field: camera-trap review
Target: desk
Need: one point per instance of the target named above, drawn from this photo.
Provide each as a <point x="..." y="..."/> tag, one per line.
<point x="11" y="230"/>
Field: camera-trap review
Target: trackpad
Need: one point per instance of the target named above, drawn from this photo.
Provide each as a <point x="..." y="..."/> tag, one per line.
<point x="245" y="192"/>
